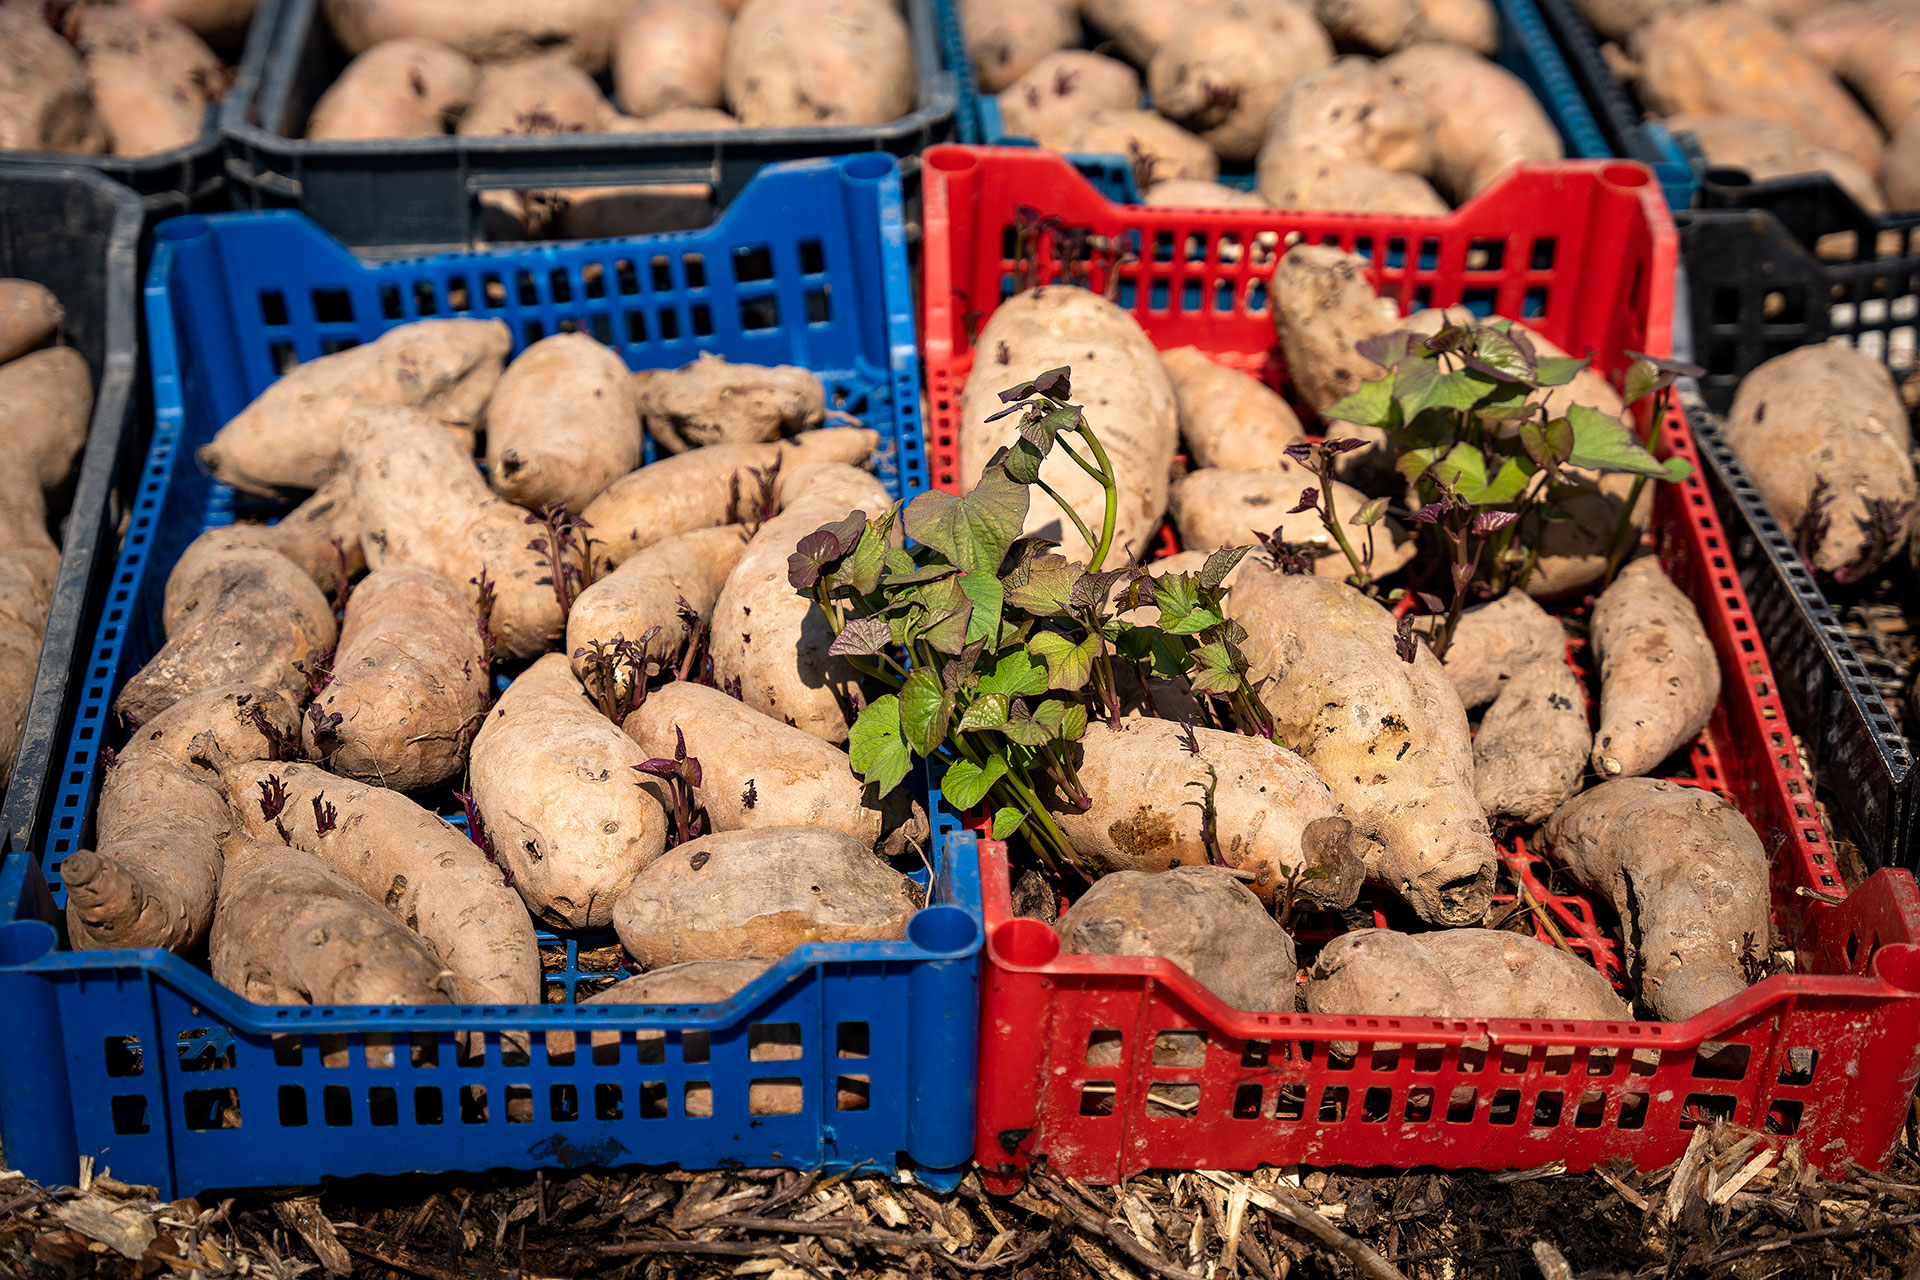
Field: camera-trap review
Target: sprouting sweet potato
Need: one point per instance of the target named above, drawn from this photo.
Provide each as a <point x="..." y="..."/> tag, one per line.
<point x="153" y="873"/>
<point x="1458" y="973"/>
<point x="152" y="77"/>
<point x="288" y="439"/>
<point x="1193" y="193"/>
<point x="486" y="30"/>
<point x="1047" y="102"/>
<point x="714" y="485"/>
<point x="659" y="599"/>
<point x="1389" y="736"/>
<point x="1200" y="918"/>
<point x="1160" y="149"/>
<point x="1220" y="74"/>
<point x="1659" y="680"/>
<point x="427" y="873"/>
<point x="1008" y="38"/>
<point x="1768" y="149"/>
<point x="556" y="785"/>
<point x="46" y="100"/>
<point x="1323" y="305"/>
<point x="29" y="315"/>
<point x="563" y="423"/>
<point x="321" y="535"/>
<point x="1241" y="802"/>
<point x="807" y="63"/>
<point x="1215" y="508"/>
<point x="1351" y="109"/>
<point x="713" y="401"/>
<point x="409" y="682"/>
<point x="1119" y="381"/>
<point x="409" y="87"/>
<point x="423" y="502"/>
<point x="289" y="929"/>
<point x="1687" y="876"/>
<point x="670" y="53"/>
<point x="758" y="894"/>
<point x="1485" y="119"/>
<point x="1228" y="418"/>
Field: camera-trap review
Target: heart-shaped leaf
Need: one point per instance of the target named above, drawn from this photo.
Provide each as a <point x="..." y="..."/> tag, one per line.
<point x="974" y="531"/>
<point x="1068" y="664"/>
<point x="875" y="746"/>
<point x="925" y="709"/>
<point x="966" y="784"/>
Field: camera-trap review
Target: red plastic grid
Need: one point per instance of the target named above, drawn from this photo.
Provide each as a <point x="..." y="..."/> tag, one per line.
<point x="1106" y="1066"/>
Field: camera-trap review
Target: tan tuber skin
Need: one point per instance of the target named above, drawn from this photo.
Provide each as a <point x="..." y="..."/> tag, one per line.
<point x="1214" y="508"/>
<point x="1047" y="102"/>
<point x="426" y="872"/>
<point x="670" y="53"/>
<point x="290" y="930"/>
<point x="1160" y="149"/>
<point x="741" y="895"/>
<point x="154" y="871"/>
<point x="808" y="63"/>
<point x="1458" y="973"/>
<point x="1200" y="918"/>
<point x="1136" y="27"/>
<point x="1007" y="38"/>
<point x="1308" y="177"/>
<point x="152" y="77"/>
<point x="1485" y="119"/>
<point x="563" y="423"/>
<point x="410" y="682"/>
<point x="321" y="535"/>
<point x="222" y="23"/>
<point x="541" y="95"/>
<point x="662" y="587"/>
<point x="46" y="101"/>
<point x="1323" y="304"/>
<point x="410" y="87"/>
<point x="1227" y="418"/>
<point x="1659" y="680"/>
<point x="1352" y="110"/>
<point x="1900" y="169"/>
<point x="1389" y="737"/>
<point x="29" y="315"/>
<point x="1768" y="149"/>
<point x="712" y="401"/>
<point x="1884" y="68"/>
<point x="1193" y="193"/>
<point x="1685" y="873"/>
<point x="555" y="783"/>
<point x="486" y="30"/>
<point x="1220" y="74"/>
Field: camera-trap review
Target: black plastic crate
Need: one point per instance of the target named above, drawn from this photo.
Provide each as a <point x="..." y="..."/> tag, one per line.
<point x="421" y="195"/>
<point x="78" y="233"/>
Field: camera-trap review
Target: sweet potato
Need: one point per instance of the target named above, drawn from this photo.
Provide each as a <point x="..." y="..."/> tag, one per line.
<point x="1119" y="381"/>
<point x="410" y="87"/>
<point x="807" y="63"/>
<point x="1823" y="426"/>
<point x="409" y="682"/>
<point x="288" y="439"/>
<point x="1352" y="109"/>
<point x="1884" y="68"/>
<point x="1659" y="680"/>
<point x="486" y="30"/>
<point x="1458" y="973"/>
<point x="1900" y="169"/>
<point x="1221" y="76"/>
<point x="670" y="53"/>
<point x="1726" y="57"/>
<point x="1768" y="149"/>
<point x="1215" y="508"/>
<point x="1193" y="193"/>
<point x="1200" y="918"/>
<point x="756" y="771"/>
<point x="1228" y="419"/>
<point x="671" y="585"/>
<point x="152" y="78"/>
<point x="1007" y="38"/>
<point x="46" y="99"/>
<point x="291" y="930"/>
<point x="1136" y="27"/>
<point x="427" y="873"/>
<point x="541" y="95"/>
<point x="153" y="873"/>
<point x="1323" y="305"/>
<point x="712" y="401"/>
<point x="1047" y="102"/>
<point x="1378" y="26"/>
<point x="1295" y="177"/>
<point x="1687" y="876"/>
<point x="222" y="23"/>
<point x="1485" y="119"/>
<point x="563" y="424"/>
<point x="29" y="315"/>
<point x="1388" y="736"/>
<point x="1242" y="802"/>
<point x="710" y="486"/>
<point x="423" y="502"/>
<point x="555" y="784"/>
<point x="1829" y="31"/>
<point x="746" y="895"/>
<point x="1160" y="149"/>
<point x="773" y="640"/>
<point x="1469" y="23"/>
<point x="1616" y="19"/>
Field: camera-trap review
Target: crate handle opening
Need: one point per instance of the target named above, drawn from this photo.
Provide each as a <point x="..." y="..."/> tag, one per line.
<point x="1025" y="943"/>
<point x="24" y="941"/>
<point x="943" y="929"/>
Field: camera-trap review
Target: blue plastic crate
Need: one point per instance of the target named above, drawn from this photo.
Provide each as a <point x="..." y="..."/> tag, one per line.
<point x="140" y="1060"/>
<point x="1527" y="48"/>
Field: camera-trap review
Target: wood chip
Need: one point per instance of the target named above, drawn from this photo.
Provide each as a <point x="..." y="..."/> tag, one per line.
<point x="1684" y="1175"/>
<point x="1748" y="1172"/>
<point x="304" y="1218"/>
<point x="1626" y="1192"/>
<point x="126" y="1229"/>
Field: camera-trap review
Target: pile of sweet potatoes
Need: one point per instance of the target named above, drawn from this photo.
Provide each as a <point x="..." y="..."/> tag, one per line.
<point x="131" y="79"/>
<point x="1366" y="105"/>
<point x="480" y="601"/>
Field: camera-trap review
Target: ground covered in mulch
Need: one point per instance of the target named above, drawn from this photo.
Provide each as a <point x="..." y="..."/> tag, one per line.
<point x="1735" y="1206"/>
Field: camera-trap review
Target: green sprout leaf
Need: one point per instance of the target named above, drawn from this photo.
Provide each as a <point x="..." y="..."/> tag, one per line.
<point x="946" y="614"/>
<point x="1022" y="463"/>
<point x="1548" y="443"/>
<point x="861" y="637"/>
<point x="1558" y="371"/>
<point x="974" y="531"/>
<point x="1220" y="564"/>
<point x="875" y="746"/>
<point x="1181" y="611"/>
<point x="1604" y="443"/>
<point x="1043" y="586"/>
<point x="966" y="784"/>
<point x="1371" y="405"/>
<point x="988" y="711"/>
<point x="925" y="709"/>
<point x="1068" y="664"/>
<point x="986" y="595"/>
<point x="1007" y="821"/>
<point x="1507" y="484"/>
<point x="1501" y="355"/>
<point x="1016" y="676"/>
<point x="862" y="568"/>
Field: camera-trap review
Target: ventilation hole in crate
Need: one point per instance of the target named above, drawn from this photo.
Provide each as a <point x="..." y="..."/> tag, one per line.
<point x="1333" y="1104"/>
<point x="333" y="1049"/>
<point x="753" y="262"/>
<point x="776" y="1096"/>
<point x="1190" y="295"/>
<point x="626" y="279"/>
<point x="1799" y="1066"/>
<point x="696" y="1046"/>
<point x="1223" y="296"/>
<point x="1592" y="1109"/>
<point x="1514" y="1058"/>
<point x="282" y="355"/>
<point x="602" y="329"/>
<point x="383" y="1106"/>
<point x="660" y="271"/>
<point x="1179" y="1049"/>
<point x="1254" y="1053"/>
<point x="702" y="317"/>
<point x="1422" y="297"/>
<point x="1546" y="1109"/>
<point x="336" y="1105"/>
<point x="1376" y="1104"/>
<point x="1429" y="1058"/>
<point x="813" y="258"/>
<point x="1096" y="1098"/>
<point x="1473" y="1056"/>
<point x="636" y="328"/>
<point x="593" y="280"/>
<point x="760" y="313"/>
<point x="1643" y="1062"/>
<point x="378" y="1050"/>
<point x="515" y="1051"/>
<point x="390" y="302"/>
<point x="1126" y="295"/>
<point x="1504" y="1106"/>
<point x="1705" y="1108"/>
<point x="424" y="303"/>
<point x="1429" y="254"/>
<point x="293" y="1107"/>
<point x="669" y="322"/>
<point x="606" y="1102"/>
<point x="1103" y="1048"/>
<point x="473" y="1104"/>
<point x="519" y="1104"/>
<point x="694" y="265"/>
<point x="820" y="304"/>
<point x="1383" y="1057"/>
<point x="493" y="292"/>
<point x="1246" y="1102"/>
<point x="773" y="1041"/>
<point x="273" y="308"/>
<point x="563" y="1103"/>
<point x="331" y="306"/>
<point x="1290" y="1102"/>
<point x="334" y="346"/>
<point x="1534" y="304"/>
<point x="560" y="1047"/>
<point x="1486" y="255"/>
<point x="558" y="286"/>
<point x="1461" y="1104"/>
<point x="286" y="1051"/>
<point x="1196" y="246"/>
<point x="853" y="1093"/>
<point x="1342" y="1056"/>
<point x="1852" y="948"/>
<point x="123" y="1057"/>
<point x="651" y="1098"/>
<point x="204" y="1049"/>
<point x="424" y="1049"/>
<point x="1541" y="258"/>
<point x="650" y="1047"/>
<point x="1419" y="1104"/>
<point x="697" y="1099"/>
<point x="129" y="1113"/>
<point x="1717" y="1061"/>
<point x="458" y="297"/>
<point x="1783" y="1116"/>
<point x="531" y="331"/>
<point x="1173" y="1101"/>
<point x="1256" y="297"/>
<point x="1633" y="1111"/>
<point x="1480" y="301"/>
<point x="427" y="1107"/>
<point x="1163" y="246"/>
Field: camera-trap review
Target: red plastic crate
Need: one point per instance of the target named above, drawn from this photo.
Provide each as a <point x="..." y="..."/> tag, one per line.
<point x="1106" y="1066"/>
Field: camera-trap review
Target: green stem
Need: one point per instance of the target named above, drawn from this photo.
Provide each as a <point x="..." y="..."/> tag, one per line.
<point x="1111" y="491"/>
<point x="1331" y="519"/>
<point x="1085" y="533"/>
<point x="864" y="666"/>
<point x="1623" y="532"/>
<point x="1018" y="782"/>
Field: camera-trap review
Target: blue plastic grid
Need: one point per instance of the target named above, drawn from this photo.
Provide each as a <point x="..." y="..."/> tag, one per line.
<point x="880" y="1036"/>
<point x="1527" y="48"/>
